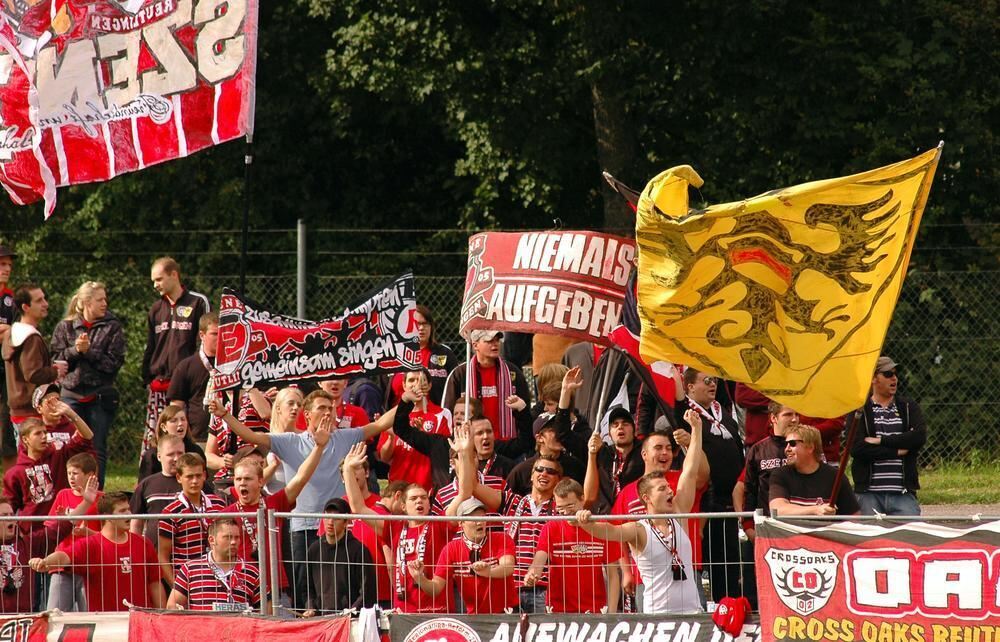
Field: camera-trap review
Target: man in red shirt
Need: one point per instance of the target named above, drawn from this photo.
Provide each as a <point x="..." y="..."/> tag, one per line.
<point x="410" y="541"/>
<point x="115" y="564"/>
<point x="576" y="561"/>
<point x="545" y="474"/>
<point x="480" y="563"/>
<point x="405" y="462"/>
<point x="248" y="481"/>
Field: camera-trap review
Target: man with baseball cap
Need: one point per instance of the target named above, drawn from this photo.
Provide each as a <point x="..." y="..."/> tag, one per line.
<point x="8" y="443"/>
<point x="61" y="427"/>
<point x="548" y="445"/>
<point x="480" y="563"/>
<point x="495" y="382"/>
<point x="890" y="433"/>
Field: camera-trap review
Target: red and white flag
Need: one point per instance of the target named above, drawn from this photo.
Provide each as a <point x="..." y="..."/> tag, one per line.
<point x="90" y="89"/>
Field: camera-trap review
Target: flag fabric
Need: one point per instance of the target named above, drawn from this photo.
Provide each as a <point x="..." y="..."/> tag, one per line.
<point x="658" y="376"/>
<point x="791" y="291"/>
<point x="90" y="89"/>
<point x="566" y="283"/>
<point x="376" y="335"/>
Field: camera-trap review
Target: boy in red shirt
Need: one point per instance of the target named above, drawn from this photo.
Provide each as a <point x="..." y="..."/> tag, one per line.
<point x="480" y="563"/>
<point x="115" y="564"/>
<point x="66" y="591"/>
<point x="410" y="541"/>
<point x="576" y="560"/>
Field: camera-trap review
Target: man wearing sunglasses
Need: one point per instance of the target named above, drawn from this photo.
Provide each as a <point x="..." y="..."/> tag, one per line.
<point x="803" y="486"/>
<point x="889" y="436"/>
<point x="545" y="474"/>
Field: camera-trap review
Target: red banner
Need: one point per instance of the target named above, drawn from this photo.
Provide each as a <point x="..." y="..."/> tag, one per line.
<point x="90" y="89"/>
<point x="566" y="283"/>
<point x="24" y="628"/>
<point x="376" y="335"/>
<point x="149" y="626"/>
<point x="886" y="580"/>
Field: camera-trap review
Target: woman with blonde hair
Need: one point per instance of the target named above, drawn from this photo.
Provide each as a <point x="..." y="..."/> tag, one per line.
<point x="91" y="340"/>
<point x="285" y="411"/>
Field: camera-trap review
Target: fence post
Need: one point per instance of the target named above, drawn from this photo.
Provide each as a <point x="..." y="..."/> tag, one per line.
<point x="274" y="547"/>
<point x="263" y="553"/>
<point x="300" y="270"/>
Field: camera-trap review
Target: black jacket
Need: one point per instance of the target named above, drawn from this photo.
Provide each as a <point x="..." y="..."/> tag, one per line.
<point x="172" y="334"/>
<point x="96" y="368"/>
<point x="911" y="439"/>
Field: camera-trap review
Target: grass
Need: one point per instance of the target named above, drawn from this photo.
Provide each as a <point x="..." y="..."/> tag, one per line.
<point x="960" y="484"/>
<point x="120" y="476"/>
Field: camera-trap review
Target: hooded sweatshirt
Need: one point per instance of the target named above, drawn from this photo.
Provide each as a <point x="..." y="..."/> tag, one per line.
<point x="32" y="484"/>
<point x="28" y="365"/>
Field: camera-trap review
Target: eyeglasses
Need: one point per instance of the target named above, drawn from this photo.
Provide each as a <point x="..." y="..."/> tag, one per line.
<point x="708" y="381"/>
<point x="547" y="470"/>
<point x="793" y="442"/>
<point x="888" y="374"/>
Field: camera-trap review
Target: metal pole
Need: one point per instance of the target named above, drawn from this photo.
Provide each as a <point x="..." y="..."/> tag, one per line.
<point x="468" y="377"/>
<point x="247" y="200"/>
<point x="605" y="385"/>
<point x="262" y="555"/>
<point x="273" y="547"/>
<point x="300" y="271"/>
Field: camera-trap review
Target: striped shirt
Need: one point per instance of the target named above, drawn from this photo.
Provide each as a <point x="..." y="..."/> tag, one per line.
<point x="209" y="588"/>
<point x="887" y="474"/>
<point x="525" y="534"/>
<point x="446" y="494"/>
<point x="189" y="536"/>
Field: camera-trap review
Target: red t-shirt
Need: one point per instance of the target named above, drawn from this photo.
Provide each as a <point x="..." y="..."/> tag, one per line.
<point x="66" y="500"/>
<point x="409" y="464"/>
<point x="408" y="597"/>
<point x="576" y="567"/>
<point x="490" y="396"/>
<point x="112" y="572"/>
<point x="249" y="541"/>
<point x="480" y="594"/>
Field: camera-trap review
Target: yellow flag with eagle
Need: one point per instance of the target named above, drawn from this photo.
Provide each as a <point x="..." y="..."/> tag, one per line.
<point x="791" y="291"/>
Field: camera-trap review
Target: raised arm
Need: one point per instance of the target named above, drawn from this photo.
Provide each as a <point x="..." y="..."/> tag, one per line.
<point x="217" y="408"/>
<point x="63" y="409"/>
<point x="352" y="462"/>
<point x="592" y="478"/>
<point x="687" y="485"/>
<point x="305" y="472"/>
<point x="383" y="423"/>
<point x="468" y="480"/>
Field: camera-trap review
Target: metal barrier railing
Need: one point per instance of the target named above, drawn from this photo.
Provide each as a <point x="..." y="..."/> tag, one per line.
<point x="722" y="566"/>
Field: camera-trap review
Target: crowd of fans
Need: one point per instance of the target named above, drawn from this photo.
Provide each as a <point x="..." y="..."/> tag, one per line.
<point x="383" y="447"/>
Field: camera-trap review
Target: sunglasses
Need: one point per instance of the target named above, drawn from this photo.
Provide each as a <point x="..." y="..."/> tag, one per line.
<point x="547" y="470"/>
<point x="708" y="381"/>
<point x="888" y="374"/>
<point x="793" y="442"/>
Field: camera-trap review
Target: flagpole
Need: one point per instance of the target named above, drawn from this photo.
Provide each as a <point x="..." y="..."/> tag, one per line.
<point x="247" y="200"/>
<point x="845" y="453"/>
<point x="605" y="385"/>
<point x="468" y="377"/>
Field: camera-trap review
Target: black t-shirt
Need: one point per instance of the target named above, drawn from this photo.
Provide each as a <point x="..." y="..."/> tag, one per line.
<point x="151" y="496"/>
<point x="812" y="489"/>
<point x="188" y="384"/>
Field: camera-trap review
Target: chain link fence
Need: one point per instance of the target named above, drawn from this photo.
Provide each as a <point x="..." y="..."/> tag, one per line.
<point x="944" y="334"/>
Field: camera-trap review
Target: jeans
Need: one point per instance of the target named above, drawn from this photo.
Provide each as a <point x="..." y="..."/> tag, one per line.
<point x="99" y="415"/>
<point x="532" y="599"/>
<point x="889" y="503"/>
<point x="301" y="541"/>
<point x="66" y="593"/>
<point x="721" y="554"/>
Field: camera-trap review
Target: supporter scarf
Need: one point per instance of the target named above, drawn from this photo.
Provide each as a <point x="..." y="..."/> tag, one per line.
<point x="523" y="505"/>
<point x="420" y="549"/>
<point x="507" y="429"/>
<point x="715" y="419"/>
